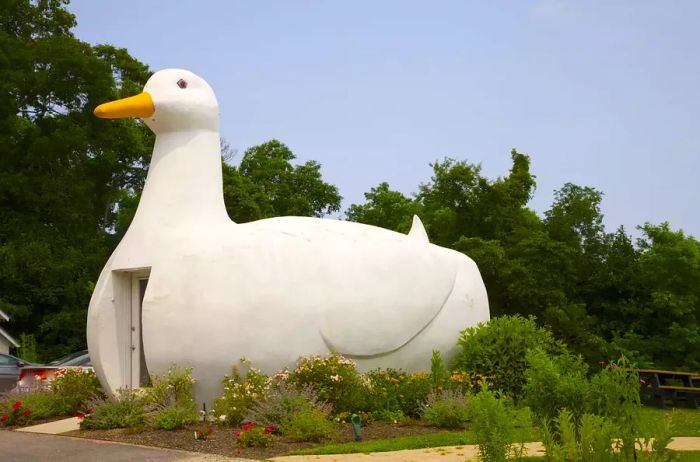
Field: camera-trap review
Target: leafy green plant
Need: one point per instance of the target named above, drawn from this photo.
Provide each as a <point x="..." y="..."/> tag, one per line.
<point x="554" y="383"/>
<point x="283" y="402"/>
<point x="253" y="436"/>
<point x="309" y="424"/>
<point x="73" y="388"/>
<point x="447" y="409"/>
<point x="123" y="411"/>
<point x="241" y="392"/>
<point x="498" y="349"/>
<point x="176" y="416"/>
<point x="15" y="412"/>
<point x="590" y="441"/>
<point x="393" y="390"/>
<point x="334" y="378"/>
<point x="615" y="395"/>
<point x="385" y="415"/>
<point x="494" y="423"/>
<point x="173" y="386"/>
<point x="41" y="404"/>
<point x="439" y="375"/>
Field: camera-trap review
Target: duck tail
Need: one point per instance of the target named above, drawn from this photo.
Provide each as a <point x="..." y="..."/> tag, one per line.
<point x="417" y="231"/>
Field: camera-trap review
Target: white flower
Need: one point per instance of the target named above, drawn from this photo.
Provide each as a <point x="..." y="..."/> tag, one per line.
<point x="222" y="417"/>
<point x="336" y="378"/>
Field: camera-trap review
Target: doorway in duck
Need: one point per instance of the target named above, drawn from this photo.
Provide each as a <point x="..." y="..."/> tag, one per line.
<point x="139" y="370"/>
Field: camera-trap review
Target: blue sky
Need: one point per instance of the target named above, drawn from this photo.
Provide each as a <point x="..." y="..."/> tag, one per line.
<point x="599" y="93"/>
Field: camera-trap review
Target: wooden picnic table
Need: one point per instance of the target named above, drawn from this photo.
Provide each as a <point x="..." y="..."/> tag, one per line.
<point x="660" y="385"/>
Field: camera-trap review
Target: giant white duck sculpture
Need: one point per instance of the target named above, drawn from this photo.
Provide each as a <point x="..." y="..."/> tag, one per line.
<point x="270" y="290"/>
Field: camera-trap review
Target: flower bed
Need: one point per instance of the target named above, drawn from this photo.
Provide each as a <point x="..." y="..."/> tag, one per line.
<point x="223" y="441"/>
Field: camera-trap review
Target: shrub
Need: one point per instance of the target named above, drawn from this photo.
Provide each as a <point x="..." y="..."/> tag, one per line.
<point x="556" y="383"/>
<point x="253" y="436"/>
<point x="590" y="441"/>
<point x="615" y="395"/>
<point x="385" y="415"/>
<point x="241" y="392"/>
<point x="13" y="412"/>
<point x="497" y="350"/>
<point x="123" y="411"/>
<point x="175" y="386"/>
<point x="41" y="404"/>
<point x="309" y="424"/>
<point x="176" y="416"/>
<point x="283" y="402"/>
<point x="439" y="375"/>
<point x="395" y="391"/>
<point x="447" y="409"/>
<point x="72" y="388"/>
<point x="334" y="378"/>
<point x="494" y="423"/>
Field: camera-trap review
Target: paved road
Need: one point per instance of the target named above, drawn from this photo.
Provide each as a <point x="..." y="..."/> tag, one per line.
<point x="34" y="447"/>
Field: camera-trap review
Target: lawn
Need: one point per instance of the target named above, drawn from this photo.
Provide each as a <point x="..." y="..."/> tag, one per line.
<point x="684" y="422"/>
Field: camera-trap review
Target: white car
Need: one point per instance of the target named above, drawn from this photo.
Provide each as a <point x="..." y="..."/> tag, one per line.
<point x="34" y="376"/>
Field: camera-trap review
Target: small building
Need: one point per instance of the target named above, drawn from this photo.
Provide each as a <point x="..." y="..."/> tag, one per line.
<point x="6" y="340"/>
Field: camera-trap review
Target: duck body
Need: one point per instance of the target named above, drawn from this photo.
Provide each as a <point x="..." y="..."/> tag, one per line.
<point x="270" y="290"/>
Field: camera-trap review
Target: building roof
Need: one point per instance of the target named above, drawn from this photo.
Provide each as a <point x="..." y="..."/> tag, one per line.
<point x="5" y="317"/>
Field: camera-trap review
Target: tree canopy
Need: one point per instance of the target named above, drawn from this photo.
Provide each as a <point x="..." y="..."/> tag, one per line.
<point x="70" y="183"/>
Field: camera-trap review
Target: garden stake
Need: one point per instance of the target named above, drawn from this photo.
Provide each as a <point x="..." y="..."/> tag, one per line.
<point x="355" y="419"/>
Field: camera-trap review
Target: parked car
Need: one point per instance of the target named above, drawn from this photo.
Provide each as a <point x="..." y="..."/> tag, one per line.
<point x="10" y="367"/>
<point x="37" y="376"/>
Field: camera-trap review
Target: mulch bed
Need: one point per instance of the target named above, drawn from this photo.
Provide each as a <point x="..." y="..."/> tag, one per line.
<point x="222" y="441"/>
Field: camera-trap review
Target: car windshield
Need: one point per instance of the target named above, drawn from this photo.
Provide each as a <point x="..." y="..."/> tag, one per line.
<point x="66" y="359"/>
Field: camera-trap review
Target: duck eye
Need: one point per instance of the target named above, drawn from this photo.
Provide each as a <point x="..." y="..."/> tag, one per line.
<point x="182" y="83"/>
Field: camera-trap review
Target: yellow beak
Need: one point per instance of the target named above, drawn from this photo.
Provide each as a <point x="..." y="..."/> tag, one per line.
<point x="134" y="106"/>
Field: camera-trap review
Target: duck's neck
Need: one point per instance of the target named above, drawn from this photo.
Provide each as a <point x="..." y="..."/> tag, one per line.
<point x="184" y="185"/>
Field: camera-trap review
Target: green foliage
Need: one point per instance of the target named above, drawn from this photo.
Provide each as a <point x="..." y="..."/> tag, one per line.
<point x="283" y="403"/>
<point x="447" y="409"/>
<point x="63" y="171"/>
<point x="175" y="386"/>
<point x="334" y="378"/>
<point x="385" y="208"/>
<point x="498" y="350"/>
<point x="123" y="411"/>
<point x="15" y="413"/>
<point x="309" y="424"/>
<point x="556" y="383"/>
<point x="255" y="437"/>
<point x="74" y="388"/>
<point x="439" y="375"/>
<point x="565" y="441"/>
<point x="386" y="415"/>
<point x="267" y="185"/>
<point x="391" y="391"/>
<point x="615" y="395"/>
<point x="176" y="416"/>
<point x="27" y="348"/>
<point x="494" y="422"/>
<point x="241" y="392"/>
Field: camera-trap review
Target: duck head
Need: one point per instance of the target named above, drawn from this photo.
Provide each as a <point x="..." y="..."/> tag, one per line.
<point x="172" y="100"/>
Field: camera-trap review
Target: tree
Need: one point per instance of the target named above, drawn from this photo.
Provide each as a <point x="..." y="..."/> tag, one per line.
<point x="62" y="171"/>
<point x="266" y="184"/>
<point x="385" y="208"/>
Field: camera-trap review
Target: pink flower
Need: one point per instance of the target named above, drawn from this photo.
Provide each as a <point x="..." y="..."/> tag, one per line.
<point x="238" y="434"/>
<point x="248" y="426"/>
<point x="17" y="405"/>
<point x="210" y="430"/>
